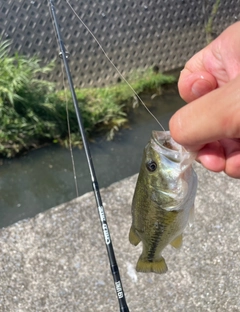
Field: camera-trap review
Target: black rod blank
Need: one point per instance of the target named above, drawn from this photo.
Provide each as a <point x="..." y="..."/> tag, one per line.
<point x="108" y="242"/>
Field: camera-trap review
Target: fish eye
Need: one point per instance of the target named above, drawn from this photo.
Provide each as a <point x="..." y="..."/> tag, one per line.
<point x="151" y="166"/>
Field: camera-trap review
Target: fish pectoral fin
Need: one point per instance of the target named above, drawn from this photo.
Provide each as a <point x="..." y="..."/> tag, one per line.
<point x="191" y="216"/>
<point x="158" y="266"/>
<point x="133" y="237"/>
<point x="177" y="242"/>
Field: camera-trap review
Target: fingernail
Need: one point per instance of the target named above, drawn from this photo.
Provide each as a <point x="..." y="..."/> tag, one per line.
<point x="201" y="87"/>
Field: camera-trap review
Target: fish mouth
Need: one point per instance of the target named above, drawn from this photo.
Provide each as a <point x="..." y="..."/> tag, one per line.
<point x="165" y="145"/>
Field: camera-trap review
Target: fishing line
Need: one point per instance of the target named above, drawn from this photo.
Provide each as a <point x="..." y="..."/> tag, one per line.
<point x="69" y="133"/>
<point x="108" y="242"/>
<point x="114" y="66"/>
<point x="67" y="113"/>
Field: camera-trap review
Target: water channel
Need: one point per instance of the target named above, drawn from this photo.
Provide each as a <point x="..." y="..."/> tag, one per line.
<point x="43" y="178"/>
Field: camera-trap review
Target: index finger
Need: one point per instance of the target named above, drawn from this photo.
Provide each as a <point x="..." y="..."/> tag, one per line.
<point x="192" y="85"/>
<point x="195" y="79"/>
<point x="210" y="118"/>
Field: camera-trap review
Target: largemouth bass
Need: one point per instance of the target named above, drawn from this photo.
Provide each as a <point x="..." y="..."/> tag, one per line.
<point x="163" y="200"/>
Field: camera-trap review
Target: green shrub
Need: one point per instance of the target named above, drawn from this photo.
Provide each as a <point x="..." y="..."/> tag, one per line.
<point x="32" y="112"/>
<point x="21" y="98"/>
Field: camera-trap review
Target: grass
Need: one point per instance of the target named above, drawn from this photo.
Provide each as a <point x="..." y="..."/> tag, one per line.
<point x="33" y="113"/>
<point x="209" y="24"/>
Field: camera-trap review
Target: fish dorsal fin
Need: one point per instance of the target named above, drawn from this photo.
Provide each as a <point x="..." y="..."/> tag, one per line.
<point x="177" y="242"/>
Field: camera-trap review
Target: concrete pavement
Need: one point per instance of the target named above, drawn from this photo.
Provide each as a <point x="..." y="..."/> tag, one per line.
<point x="57" y="261"/>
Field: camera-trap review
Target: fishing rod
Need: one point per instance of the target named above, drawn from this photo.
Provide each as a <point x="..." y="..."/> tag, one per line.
<point x="108" y="242"/>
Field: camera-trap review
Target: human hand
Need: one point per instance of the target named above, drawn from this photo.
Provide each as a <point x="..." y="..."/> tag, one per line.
<point x="210" y="123"/>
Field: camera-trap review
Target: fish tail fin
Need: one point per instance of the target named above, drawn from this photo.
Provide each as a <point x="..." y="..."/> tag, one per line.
<point x="158" y="266"/>
<point x="133" y="237"/>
